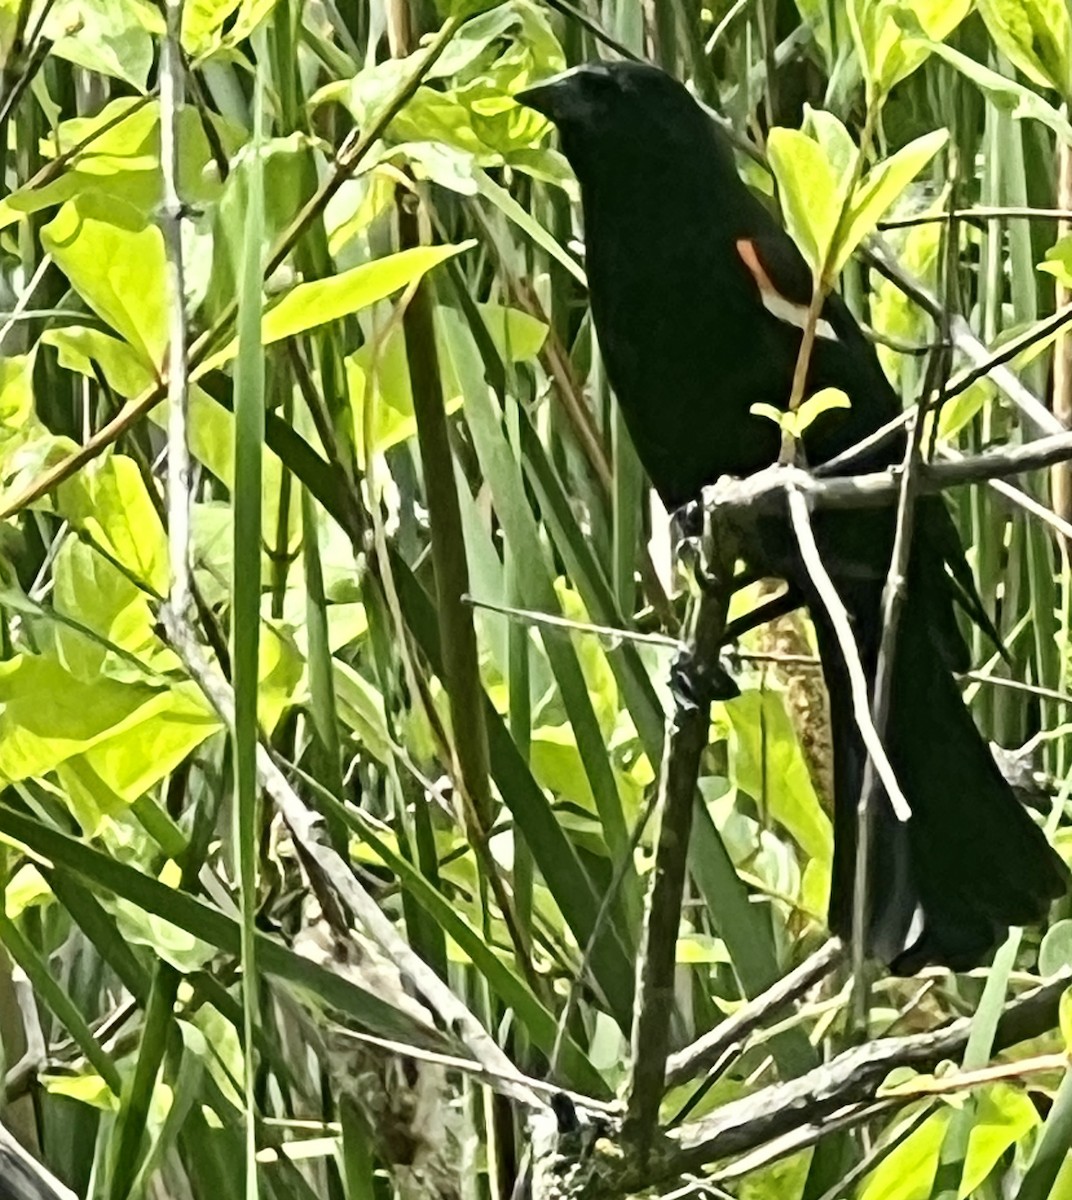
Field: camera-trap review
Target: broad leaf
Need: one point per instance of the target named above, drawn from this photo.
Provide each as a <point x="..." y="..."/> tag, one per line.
<point x="1036" y="36"/>
<point x="1003" y="1116"/>
<point x="880" y="188"/>
<point x="878" y="27"/>
<point x="1021" y="102"/>
<point x="311" y="304"/>
<point x="114" y="257"/>
<point x="811" y="190"/>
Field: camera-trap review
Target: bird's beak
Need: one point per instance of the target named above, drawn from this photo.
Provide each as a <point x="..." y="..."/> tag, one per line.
<point x="552" y="98"/>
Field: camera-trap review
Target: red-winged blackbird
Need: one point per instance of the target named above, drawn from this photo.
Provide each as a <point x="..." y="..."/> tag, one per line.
<point x="699" y="300"/>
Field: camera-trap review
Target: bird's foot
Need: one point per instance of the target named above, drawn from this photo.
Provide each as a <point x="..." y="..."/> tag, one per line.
<point x="698" y="682"/>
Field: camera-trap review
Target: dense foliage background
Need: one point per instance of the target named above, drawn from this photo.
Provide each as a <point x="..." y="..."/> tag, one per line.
<point x="398" y="609"/>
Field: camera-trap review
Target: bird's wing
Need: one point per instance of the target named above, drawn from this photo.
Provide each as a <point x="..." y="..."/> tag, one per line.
<point x="783" y="280"/>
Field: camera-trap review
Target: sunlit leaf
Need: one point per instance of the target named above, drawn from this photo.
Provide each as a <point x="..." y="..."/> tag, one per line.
<point x="308" y="305"/>
<point x="114" y="37"/>
<point x="886" y="55"/>
<point x="814" y="406"/>
<point x="811" y="191"/>
<point x="1036" y="36"/>
<point x="1019" y="101"/>
<point x="1003" y="1116"/>
<point x="114" y="258"/>
<point x="880" y="188"/>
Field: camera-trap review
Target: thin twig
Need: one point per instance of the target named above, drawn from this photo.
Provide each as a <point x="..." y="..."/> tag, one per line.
<point x="878" y="255"/>
<point x="1018" y="497"/>
<point x="1016" y="685"/>
<point x="528" y="616"/>
<point x="984" y="366"/>
<point x="179" y="466"/>
<point x="839" y="620"/>
<point x="594" y="28"/>
<point x="693" y="1060"/>
<point x="983" y="213"/>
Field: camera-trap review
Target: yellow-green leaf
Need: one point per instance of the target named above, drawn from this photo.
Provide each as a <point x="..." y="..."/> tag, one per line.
<point x="311" y="304"/>
<point x="1066" y="1018"/>
<point x="1036" y="36"/>
<point x="811" y="193"/>
<point x="114" y="258"/>
<point x="815" y="406"/>
<point x="880" y="188"/>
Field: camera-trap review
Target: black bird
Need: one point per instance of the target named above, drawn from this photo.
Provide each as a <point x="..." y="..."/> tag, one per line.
<point x="699" y="300"/>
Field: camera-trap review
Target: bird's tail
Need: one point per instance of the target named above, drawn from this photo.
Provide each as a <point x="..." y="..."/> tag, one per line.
<point x="946" y="885"/>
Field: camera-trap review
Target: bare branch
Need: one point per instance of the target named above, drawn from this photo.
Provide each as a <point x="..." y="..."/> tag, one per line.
<point x="179" y="474"/>
<point x="730" y="1034"/>
<point x="878" y="254"/>
<point x="839" y="619"/>
<point x="686" y="742"/>
<point x="335" y="875"/>
<point x="850" y="1081"/>
<point x="764" y="491"/>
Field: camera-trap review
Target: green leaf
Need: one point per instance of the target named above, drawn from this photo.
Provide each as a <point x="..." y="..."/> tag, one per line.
<point x="90" y="590"/>
<point x="311" y="304"/>
<point x="766" y="762"/>
<point x="465" y="8"/>
<point x="509" y="207"/>
<point x="956" y="413"/>
<point x="121" y="159"/>
<point x="17" y="418"/>
<point x="1036" y="36"/>
<point x="114" y="37"/>
<point x="823" y="401"/>
<point x="795" y="423"/>
<point x="379" y="373"/>
<point x="109" y="501"/>
<point x="48" y="714"/>
<point x="1058" y="261"/>
<point x="512" y="990"/>
<point x="81" y="349"/>
<point x="1065" y="1019"/>
<point x="878" y="27"/>
<point x="893" y="314"/>
<point x="777" y="415"/>
<point x="287" y="165"/>
<point x="361" y="710"/>
<point x="86" y="1088"/>
<point x="202" y="24"/>
<point x="1006" y="93"/>
<point x="880" y="188"/>
<point x="114" y="259"/>
<point x="1004" y="1115"/>
<point x="329" y="988"/>
<point x="811" y="191"/>
<point x="813" y="181"/>
<point x="1055" y="953"/>
<point x="834" y="138"/>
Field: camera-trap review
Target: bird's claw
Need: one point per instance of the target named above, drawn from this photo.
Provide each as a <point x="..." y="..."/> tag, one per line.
<point x="697" y="682"/>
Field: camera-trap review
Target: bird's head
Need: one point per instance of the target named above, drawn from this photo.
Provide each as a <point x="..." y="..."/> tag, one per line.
<point x="606" y="108"/>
